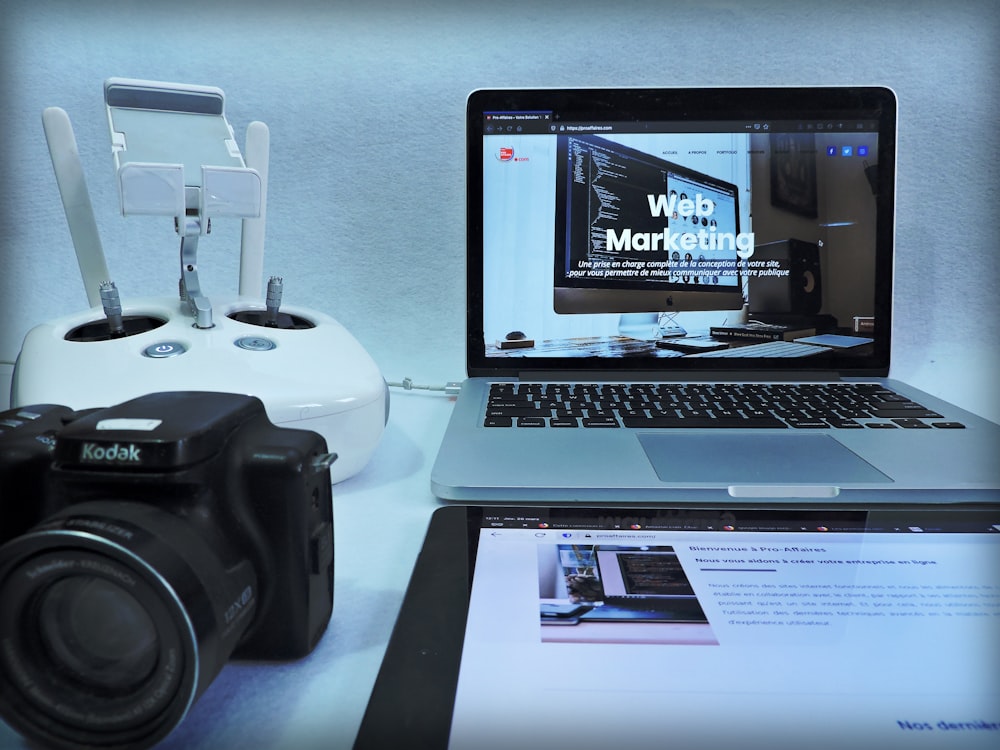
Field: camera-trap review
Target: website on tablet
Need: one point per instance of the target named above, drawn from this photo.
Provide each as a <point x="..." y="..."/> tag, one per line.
<point x="696" y="631"/>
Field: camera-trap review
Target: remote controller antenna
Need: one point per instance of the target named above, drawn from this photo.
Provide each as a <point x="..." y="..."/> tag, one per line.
<point x="275" y="286"/>
<point x="112" y="308"/>
<point x="257" y="156"/>
<point x="76" y="201"/>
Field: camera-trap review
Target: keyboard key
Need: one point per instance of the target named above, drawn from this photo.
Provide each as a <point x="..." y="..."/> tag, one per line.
<point x="701" y="422"/>
<point x="918" y="413"/>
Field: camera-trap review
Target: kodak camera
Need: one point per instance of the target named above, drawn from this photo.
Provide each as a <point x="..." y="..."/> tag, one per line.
<point x="143" y="546"/>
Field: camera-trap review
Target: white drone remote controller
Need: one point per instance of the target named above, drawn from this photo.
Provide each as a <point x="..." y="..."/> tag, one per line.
<point x="305" y="367"/>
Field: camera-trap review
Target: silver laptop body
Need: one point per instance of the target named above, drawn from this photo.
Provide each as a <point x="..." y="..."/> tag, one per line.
<point x="686" y="294"/>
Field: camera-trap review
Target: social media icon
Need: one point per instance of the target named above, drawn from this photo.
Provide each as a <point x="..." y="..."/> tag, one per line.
<point x="847" y="151"/>
<point x="862" y="151"/>
<point x="831" y="150"/>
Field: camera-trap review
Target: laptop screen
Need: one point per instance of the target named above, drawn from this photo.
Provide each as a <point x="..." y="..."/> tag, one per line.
<point x="680" y="229"/>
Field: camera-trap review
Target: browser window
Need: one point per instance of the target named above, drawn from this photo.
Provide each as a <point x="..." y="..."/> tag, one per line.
<point x="770" y="630"/>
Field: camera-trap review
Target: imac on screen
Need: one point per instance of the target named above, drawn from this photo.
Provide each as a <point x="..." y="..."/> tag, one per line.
<point x="637" y="233"/>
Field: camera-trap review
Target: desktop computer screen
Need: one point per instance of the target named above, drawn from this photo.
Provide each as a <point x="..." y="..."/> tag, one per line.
<point x="636" y="232"/>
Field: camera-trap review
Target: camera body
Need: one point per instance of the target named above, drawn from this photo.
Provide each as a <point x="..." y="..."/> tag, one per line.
<point x="143" y="546"/>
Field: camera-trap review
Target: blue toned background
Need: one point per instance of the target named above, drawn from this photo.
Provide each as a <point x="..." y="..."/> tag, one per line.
<point x="365" y="102"/>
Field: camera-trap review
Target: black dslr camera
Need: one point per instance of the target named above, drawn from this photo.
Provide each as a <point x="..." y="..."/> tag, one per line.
<point x="143" y="546"/>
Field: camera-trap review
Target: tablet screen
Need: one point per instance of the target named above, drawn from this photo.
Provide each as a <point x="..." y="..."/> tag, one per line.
<point x="711" y="628"/>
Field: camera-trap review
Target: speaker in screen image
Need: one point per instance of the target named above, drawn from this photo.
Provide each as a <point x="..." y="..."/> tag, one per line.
<point x="800" y="291"/>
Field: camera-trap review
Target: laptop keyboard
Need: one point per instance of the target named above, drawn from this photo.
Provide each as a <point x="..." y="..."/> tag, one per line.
<point x="719" y="405"/>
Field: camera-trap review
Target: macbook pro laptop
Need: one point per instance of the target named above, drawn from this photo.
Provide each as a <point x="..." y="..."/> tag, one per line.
<point x="687" y="293"/>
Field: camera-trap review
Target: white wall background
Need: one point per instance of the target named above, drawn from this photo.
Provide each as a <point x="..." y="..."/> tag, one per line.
<point x="365" y="101"/>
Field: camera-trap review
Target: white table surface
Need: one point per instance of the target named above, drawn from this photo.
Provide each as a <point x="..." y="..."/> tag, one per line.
<point x="380" y="517"/>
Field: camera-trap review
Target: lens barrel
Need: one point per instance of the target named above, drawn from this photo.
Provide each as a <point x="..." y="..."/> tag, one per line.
<point x="114" y="618"/>
<point x="96" y="632"/>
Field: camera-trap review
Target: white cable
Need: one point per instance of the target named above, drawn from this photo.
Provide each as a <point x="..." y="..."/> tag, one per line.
<point x="449" y="389"/>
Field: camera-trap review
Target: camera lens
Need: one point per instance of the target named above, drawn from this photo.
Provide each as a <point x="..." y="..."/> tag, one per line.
<point x="114" y="618"/>
<point x="98" y="633"/>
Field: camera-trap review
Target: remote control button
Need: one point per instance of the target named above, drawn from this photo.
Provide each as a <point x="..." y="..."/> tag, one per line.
<point x="164" y="349"/>
<point x="255" y="343"/>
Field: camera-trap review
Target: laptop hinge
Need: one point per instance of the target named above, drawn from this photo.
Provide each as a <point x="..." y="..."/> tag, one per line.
<point x="720" y="376"/>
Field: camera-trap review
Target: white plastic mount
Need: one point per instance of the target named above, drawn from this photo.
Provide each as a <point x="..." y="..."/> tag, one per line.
<point x="175" y="155"/>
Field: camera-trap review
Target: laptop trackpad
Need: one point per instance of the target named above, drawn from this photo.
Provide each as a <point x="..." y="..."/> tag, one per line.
<point x="732" y="459"/>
